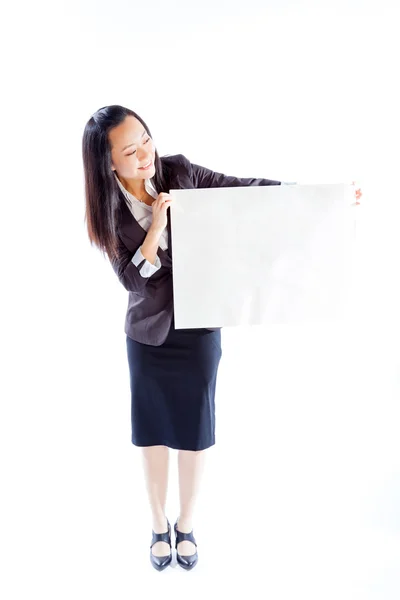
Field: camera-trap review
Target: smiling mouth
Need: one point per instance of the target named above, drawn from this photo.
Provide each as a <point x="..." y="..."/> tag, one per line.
<point x="146" y="166"/>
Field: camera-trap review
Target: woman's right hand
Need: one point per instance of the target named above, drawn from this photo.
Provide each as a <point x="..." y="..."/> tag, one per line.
<point x="160" y="207"/>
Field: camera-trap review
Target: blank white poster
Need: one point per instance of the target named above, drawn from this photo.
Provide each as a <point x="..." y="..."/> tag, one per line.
<point x="262" y="254"/>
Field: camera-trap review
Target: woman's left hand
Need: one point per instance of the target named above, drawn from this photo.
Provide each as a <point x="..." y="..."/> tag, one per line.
<point x="357" y="193"/>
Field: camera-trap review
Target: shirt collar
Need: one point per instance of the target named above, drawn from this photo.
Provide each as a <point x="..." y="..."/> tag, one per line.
<point x="131" y="198"/>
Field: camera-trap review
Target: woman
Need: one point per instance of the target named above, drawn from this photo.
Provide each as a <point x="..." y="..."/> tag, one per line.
<point x="172" y="372"/>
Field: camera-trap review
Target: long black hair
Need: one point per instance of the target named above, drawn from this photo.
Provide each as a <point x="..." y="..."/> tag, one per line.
<point x="102" y="197"/>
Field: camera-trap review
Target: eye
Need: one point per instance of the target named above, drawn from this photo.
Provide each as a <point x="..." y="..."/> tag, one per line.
<point x="130" y="154"/>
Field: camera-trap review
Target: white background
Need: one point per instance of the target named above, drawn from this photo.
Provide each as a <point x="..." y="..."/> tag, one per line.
<point x="301" y="494"/>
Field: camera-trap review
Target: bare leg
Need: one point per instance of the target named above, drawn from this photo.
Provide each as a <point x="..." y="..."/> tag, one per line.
<point x="191" y="466"/>
<point x="155" y="463"/>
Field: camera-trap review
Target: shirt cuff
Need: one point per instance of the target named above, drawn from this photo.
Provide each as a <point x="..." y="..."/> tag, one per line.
<point x="147" y="269"/>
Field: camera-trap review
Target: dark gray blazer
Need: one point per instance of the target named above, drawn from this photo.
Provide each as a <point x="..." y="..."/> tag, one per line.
<point x="150" y="303"/>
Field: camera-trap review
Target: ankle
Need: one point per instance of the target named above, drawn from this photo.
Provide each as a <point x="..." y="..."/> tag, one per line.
<point x="184" y="524"/>
<point x="160" y="524"/>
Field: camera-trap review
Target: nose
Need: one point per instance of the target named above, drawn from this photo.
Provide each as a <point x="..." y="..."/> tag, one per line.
<point x="143" y="154"/>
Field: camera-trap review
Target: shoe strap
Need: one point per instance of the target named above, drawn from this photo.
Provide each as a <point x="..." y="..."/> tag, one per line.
<point x="181" y="537"/>
<point x="162" y="537"/>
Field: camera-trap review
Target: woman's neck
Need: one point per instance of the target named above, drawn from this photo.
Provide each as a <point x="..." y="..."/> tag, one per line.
<point x="134" y="187"/>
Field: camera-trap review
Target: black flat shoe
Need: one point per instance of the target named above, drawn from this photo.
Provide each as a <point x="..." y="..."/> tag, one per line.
<point x="187" y="562"/>
<point x="160" y="562"/>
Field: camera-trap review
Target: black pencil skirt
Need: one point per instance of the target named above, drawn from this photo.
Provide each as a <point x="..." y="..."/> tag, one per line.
<point x="173" y="389"/>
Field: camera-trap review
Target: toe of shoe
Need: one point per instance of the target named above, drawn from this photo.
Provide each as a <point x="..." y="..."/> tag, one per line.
<point x="187" y="561"/>
<point x="160" y="562"/>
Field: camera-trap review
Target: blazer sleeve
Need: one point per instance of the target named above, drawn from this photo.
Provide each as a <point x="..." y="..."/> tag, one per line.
<point x="129" y="273"/>
<point x="202" y="177"/>
<point x="147" y="269"/>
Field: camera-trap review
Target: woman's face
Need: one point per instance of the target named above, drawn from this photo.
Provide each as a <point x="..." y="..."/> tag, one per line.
<point x="131" y="149"/>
